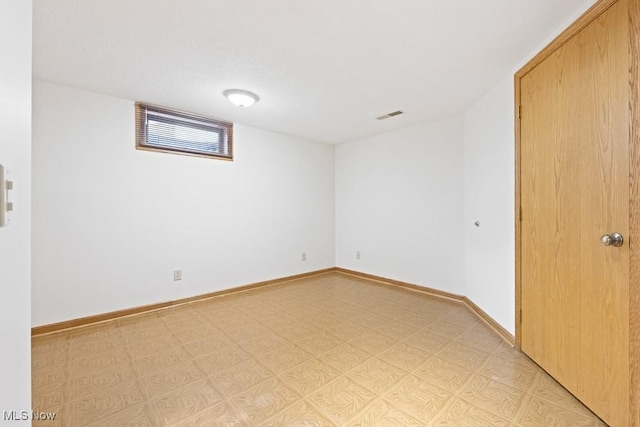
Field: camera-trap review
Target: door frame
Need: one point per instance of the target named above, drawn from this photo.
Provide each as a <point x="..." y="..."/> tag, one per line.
<point x="634" y="181"/>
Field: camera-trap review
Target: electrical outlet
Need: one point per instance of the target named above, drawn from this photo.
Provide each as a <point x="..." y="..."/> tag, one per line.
<point x="304" y="256"/>
<point x="357" y="254"/>
<point x="177" y="275"/>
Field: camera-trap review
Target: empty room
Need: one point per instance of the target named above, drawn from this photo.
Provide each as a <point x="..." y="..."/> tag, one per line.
<point x="306" y="213"/>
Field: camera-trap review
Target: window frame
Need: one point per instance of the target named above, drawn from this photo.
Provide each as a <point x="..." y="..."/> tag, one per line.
<point x="181" y="118"/>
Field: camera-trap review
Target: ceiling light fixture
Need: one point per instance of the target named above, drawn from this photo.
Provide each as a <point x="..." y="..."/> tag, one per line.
<point x="241" y="98"/>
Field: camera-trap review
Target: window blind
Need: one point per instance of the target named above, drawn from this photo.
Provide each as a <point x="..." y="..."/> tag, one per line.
<point x="164" y="129"/>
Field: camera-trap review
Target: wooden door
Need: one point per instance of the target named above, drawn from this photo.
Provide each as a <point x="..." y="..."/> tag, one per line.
<point x="574" y="187"/>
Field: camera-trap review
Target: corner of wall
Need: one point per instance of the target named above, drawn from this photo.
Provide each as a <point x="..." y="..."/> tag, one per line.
<point x="15" y="239"/>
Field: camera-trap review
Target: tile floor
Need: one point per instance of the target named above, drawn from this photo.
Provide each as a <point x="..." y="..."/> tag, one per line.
<point x="330" y="350"/>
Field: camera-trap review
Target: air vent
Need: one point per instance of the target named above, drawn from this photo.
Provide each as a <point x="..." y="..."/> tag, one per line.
<point x="386" y="116"/>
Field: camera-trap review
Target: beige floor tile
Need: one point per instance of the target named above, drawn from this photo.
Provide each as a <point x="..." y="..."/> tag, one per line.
<point x="329" y="350"/>
<point x="384" y="414"/>
<point x="415" y="320"/>
<point x="240" y="377"/>
<point x="371" y="304"/>
<point x="217" y="415"/>
<point x="186" y="401"/>
<point x="296" y="330"/>
<point x="464" y="355"/>
<point x="234" y="322"/>
<point x="310" y="376"/>
<point x="135" y="335"/>
<point x="341" y="399"/>
<point x="167" y="380"/>
<point x="141" y="349"/>
<point x="492" y="396"/>
<point x="83" y="348"/>
<point x="479" y="337"/>
<point x="223" y="359"/>
<point x="506" y="351"/>
<point x="282" y="321"/>
<point x="371" y="319"/>
<point x="52" y="374"/>
<point x="548" y="389"/>
<point x="98" y="380"/>
<point x="50" y="359"/>
<point x="138" y="416"/>
<point x="186" y="312"/>
<point x="284" y="358"/>
<point x="198" y="333"/>
<point x="319" y="342"/>
<point x="208" y="345"/>
<point x="265" y="401"/>
<point x="349" y="311"/>
<point x="305" y="311"/>
<point x="101" y="360"/>
<point x="50" y="343"/>
<point x="105" y="404"/>
<point x="179" y="325"/>
<point x="374" y="342"/>
<point x="215" y="309"/>
<point x="389" y="311"/>
<point x="377" y="375"/>
<point x="464" y="315"/>
<point x="265" y="311"/>
<point x="418" y="397"/>
<point x="268" y="342"/>
<point x="405" y="356"/>
<point x="345" y="357"/>
<point x="326" y="320"/>
<point x="426" y="341"/>
<point x="52" y="395"/>
<point x="95" y="332"/>
<point x="300" y="414"/>
<point x="520" y="374"/>
<point x="459" y="412"/>
<point x="248" y="331"/>
<point x="444" y="374"/>
<point x="447" y="328"/>
<point x="540" y="412"/>
<point x="161" y="360"/>
<point x="396" y="329"/>
<point x="140" y="321"/>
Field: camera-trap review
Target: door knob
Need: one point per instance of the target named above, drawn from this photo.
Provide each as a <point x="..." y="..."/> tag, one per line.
<point x="613" y="239"/>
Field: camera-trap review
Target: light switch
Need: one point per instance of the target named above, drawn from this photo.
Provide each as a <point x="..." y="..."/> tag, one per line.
<point x="6" y="206"/>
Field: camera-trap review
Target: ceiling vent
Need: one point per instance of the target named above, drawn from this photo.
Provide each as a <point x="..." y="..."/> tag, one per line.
<point x="386" y="116"/>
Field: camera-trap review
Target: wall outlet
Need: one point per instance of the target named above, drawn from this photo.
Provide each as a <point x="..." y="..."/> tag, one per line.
<point x="304" y="256"/>
<point x="177" y="275"/>
<point x="357" y="254"/>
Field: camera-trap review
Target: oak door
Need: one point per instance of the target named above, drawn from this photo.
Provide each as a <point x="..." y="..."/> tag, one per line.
<point x="574" y="188"/>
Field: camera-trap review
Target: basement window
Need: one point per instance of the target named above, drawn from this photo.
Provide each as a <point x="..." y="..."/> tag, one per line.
<point x="170" y="131"/>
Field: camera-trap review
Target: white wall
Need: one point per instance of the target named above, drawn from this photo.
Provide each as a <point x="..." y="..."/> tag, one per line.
<point x="489" y="193"/>
<point x="489" y="271"/>
<point x="110" y="223"/>
<point x="399" y="199"/>
<point x="15" y="240"/>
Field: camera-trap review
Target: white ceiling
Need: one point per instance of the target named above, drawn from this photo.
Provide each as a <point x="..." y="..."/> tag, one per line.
<point x="324" y="69"/>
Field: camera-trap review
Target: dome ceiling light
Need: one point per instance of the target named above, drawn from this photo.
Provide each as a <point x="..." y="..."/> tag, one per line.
<point x="241" y="98"/>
